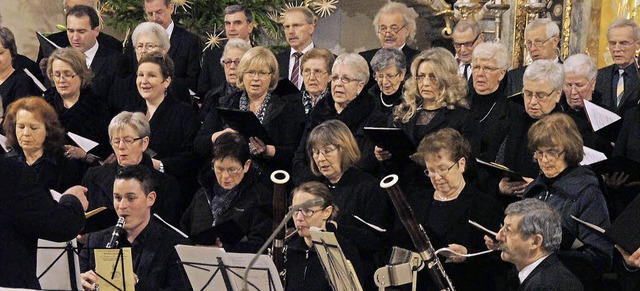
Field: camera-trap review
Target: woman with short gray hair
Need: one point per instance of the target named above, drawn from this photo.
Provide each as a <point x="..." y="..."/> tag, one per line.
<point x="14" y="84"/>
<point x="388" y="66"/>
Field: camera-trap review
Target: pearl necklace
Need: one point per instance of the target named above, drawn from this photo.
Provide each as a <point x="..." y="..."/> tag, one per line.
<point x="383" y="103"/>
<point x="440" y="197"/>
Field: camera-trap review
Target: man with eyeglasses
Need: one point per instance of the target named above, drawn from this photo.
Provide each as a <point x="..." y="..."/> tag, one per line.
<point x="238" y="23"/>
<point x="299" y="25"/>
<point x="618" y="83"/>
<point x="541" y="40"/>
<point x="467" y="34"/>
<point x="395" y="23"/>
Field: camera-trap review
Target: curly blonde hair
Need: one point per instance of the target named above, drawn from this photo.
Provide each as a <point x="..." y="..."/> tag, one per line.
<point x="453" y="87"/>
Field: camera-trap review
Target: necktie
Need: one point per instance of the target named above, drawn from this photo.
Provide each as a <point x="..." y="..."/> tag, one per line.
<point x="465" y="73"/>
<point x="295" y="73"/>
<point x="620" y="88"/>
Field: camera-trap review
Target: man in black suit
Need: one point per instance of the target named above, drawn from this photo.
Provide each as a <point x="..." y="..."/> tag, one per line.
<point x="83" y="28"/>
<point x="541" y="40"/>
<point x="185" y="46"/>
<point x="299" y="25"/>
<point x="467" y="34"/>
<point x="618" y="83"/>
<point x="28" y="213"/>
<point x="394" y="23"/>
<point x="238" y="23"/>
<point x="532" y="232"/>
<point x="155" y="261"/>
<point x="61" y="39"/>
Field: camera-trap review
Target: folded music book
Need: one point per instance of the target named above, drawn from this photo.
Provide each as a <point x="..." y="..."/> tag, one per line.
<point x="598" y="116"/>
<point x="245" y="122"/>
<point x="393" y="140"/>
<point x="114" y="267"/>
<point x="46" y="45"/>
<point x="592" y="156"/>
<point x="624" y="231"/>
<point x="500" y="170"/>
<point x="619" y="164"/>
<point x="228" y="232"/>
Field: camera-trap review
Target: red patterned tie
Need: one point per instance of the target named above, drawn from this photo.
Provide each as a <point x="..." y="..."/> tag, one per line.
<point x="295" y="73"/>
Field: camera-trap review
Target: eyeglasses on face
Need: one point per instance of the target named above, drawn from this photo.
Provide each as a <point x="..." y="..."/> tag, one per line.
<point x="146" y="46"/>
<point x="467" y="44"/>
<point x="315" y="73"/>
<point x="306" y="212"/>
<point x="550" y="155"/>
<point x="381" y="77"/>
<point x="486" y="69"/>
<point x="231" y="170"/>
<point x="343" y="79"/>
<point x="540" y="96"/>
<point x="537" y="43"/>
<point x="391" y="29"/>
<point x="128" y="141"/>
<point x="325" y="151"/>
<point x="260" y="74"/>
<point x="60" y="77"/>
<point x="229" y="62"/>
<point x="432" y="79"/>
<point x="441" y="172"/>
<point x="622" y="45"/>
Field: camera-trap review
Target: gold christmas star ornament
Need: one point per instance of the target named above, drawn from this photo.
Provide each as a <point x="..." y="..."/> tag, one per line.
<point x="213" y="40"/>
<point x="324" y="8"/>
<point x="184" y="4"/>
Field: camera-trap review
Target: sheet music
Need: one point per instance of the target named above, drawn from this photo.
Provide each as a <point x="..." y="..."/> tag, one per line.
<point x="373" y="226"/>
<point x="264" y="262"/>
<point x="84" y="143"/>
<point x="55" y="194"/>
<point x="51" y="268"/>
<point x="171" y="226"/>
<point x="598" y="116"/>
<point x="35" y="80"/>
<point x="108" y="261"/>
<point x="3" y="142"/>
<point x="591" y="156"/>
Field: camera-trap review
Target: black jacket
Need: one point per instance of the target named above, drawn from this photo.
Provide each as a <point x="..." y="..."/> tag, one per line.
<point x="155" y="260"/>
<point x="360" y="112"/>
<point x="185" y="52"/>
<point x="30" y="213"/>
<point x="551" y="274"/>
<point x="87" y="118"/>
<point x="22" y="62"/>
<point x="17" y="85"/>
<point x="55" y="171"/>
<point x="99" y="183"/>
<point x="606" y="88"/>
<point x="628" y="142"/>
<point x="211" y="71"/>
<point x="476" y="273"/>
<point x="576" y="192"/>
<point x="104" y="67"/>
<point x="284" y="121"/>
<point x="250" y="211"/>
<point x="62" y="40"/>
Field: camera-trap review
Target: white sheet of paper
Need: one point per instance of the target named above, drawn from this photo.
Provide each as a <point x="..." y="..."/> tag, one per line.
<point x="55" y="194"/>
<point x="598" y="116"/>
<point x="52" y="278"/>
<point x="35" y="80"/>
<point x="171" y="226"/>
<point x="3" y="142"/>
<point x="591" y="156"/>
<point x="373" y="226"/>
<point x="84" y="143"/>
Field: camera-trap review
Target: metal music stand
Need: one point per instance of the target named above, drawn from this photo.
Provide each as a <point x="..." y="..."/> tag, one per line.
<point x="337" y="268"/>
<point x="56" y="261"/>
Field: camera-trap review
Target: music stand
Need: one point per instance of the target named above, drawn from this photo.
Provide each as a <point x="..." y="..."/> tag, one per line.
<point x="115" y="269"/>
<point x="58" y="260"/>
<point x="337" y="268"/>
<point x="211" y="268"/>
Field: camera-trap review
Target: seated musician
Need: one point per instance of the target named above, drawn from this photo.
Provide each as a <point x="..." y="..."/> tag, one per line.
<point x="155" y="262"/>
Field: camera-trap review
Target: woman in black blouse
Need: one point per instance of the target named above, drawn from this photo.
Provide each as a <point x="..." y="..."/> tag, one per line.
<point x="389" y="67"/>
<point x="79" y="110"/>
<point x="13" y="84"/>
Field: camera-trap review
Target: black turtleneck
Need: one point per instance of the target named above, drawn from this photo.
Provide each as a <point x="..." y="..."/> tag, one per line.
<point x="482" y="104"/>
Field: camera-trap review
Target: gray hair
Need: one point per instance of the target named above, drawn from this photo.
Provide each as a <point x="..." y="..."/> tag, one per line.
<point x="155" y="30"/>
<point x="235" y="43"/>
<point x="8" y="41"/>
<point x="551" y="27"/>
<point x="493" y="51"/>
<point x="137" y="120"/>
<point x="619" y="23"/>
<point x="466" y="24"/>
<point x="387" y="57"/>
<point x="309" y="17"/>
<point x="582" y="65"/>
<point x="546" y="71"/>
<point x="356" y="62"/>
<point x="232" y="9"/>
<point x="538" y="218"/>
<point x="409" y="15"/>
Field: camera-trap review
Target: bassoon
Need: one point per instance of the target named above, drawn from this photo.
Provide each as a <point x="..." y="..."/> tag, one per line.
<point x="279" y="179"/>
<point x="417" y="233"/>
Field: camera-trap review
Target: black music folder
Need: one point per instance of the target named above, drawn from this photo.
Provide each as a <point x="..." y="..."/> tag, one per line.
<point x="245" y="122"/>
<point x="228" y="232"/>
<point x="619" y="164"/>
<point x="393" y="140"/>
<point x="46" y="45"/>
<point x="500" y="170"/>
<point x="624" y="231"/>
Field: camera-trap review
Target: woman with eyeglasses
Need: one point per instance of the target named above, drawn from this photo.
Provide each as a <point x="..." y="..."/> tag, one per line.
<point x="316" y="67"/>
<point x="573" y="190"/>
<point x="147" y="37"/>
<point x="277" y="105"/>
<point x="232" y="209"/>
<point x="349" y="103"/>
<point x="334" y="153"/>
<point x="445" y="210"/>
<point x="233" y="52"/>
<point x="542" y="87"/>
<point x="389" y="68"/>
<point x="36" y="137"/>
<point x="129" y="137"/>
<point x="304" y="269"/>
<point x="79" y="110"/>
<point x="174" y="124"/>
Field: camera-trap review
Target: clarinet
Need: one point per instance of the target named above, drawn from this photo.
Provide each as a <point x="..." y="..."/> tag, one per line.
<point x="279" y="179"/>
<point x="417" y="233"/>
<point x="113" y="242"/>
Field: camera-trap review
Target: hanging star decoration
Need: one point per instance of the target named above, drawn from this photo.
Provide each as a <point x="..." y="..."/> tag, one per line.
<point x="213" y="40"/>
<point x="324" y="8"/>
<point x="274" y="16"/>
<point x="184" y="4"/>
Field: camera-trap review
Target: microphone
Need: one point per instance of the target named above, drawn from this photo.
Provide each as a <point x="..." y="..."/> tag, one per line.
<point x="307" y="204"/>
<point x="113" y="242"/>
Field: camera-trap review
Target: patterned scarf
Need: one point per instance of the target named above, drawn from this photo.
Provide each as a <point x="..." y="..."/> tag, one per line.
<point x="221" y="201"/>
<point x="244" y="105"/>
